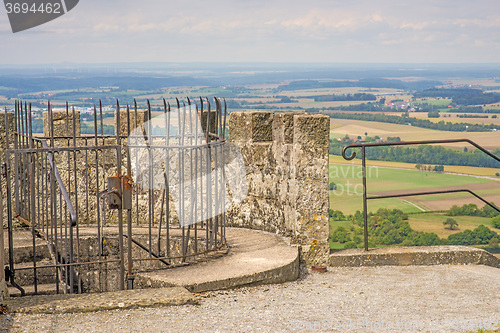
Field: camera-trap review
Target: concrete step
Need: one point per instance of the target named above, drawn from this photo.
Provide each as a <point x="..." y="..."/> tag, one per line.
<point x="23" y="247"/>
<point x="254" y="257"/>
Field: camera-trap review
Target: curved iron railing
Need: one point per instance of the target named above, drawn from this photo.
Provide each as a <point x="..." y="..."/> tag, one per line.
<point x="363" y="147"/>
<point x="55" y="182"/>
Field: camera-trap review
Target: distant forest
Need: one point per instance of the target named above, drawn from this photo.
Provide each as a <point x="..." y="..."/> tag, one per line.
<point x="461" y="96"/>
<point x="345" y="97"/>
<point x="367" y="83"/>
<point x="17" y="85"/>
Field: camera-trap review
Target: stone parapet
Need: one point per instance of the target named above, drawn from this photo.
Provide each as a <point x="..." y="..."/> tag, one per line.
<point x="142" y="117"/>
<point x="62" y="123"/>
<point x="286" y="160"/>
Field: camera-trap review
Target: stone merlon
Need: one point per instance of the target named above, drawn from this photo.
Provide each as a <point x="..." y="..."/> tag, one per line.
<point x="286" y="158"/>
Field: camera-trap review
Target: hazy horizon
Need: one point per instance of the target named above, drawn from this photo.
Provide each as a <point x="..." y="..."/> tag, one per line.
<point x="274" y="31"/>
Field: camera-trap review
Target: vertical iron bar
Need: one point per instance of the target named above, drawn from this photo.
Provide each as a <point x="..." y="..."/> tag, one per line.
<point x="167" y="170"/>
<point x="32" y="199"/>
<point x="224" y="175"/>
<point x="103" y="165"/>
<point x="136" y="163"/>
<point x="209" y="178"/>
<point x="120" y="211"/>
<point x="216" y="174"/>
<point x="69" y="242"/>
<point x="98" y="210"/>
<point x="53" y="201"/>
<point x="130" y="264"/>
<point x="16" y="162"/>
<point x="71" y="258"/>
<point x="150" y="176"/>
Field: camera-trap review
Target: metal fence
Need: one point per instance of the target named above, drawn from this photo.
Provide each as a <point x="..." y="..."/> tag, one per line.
<point x="149" y="197"/>
<point x="363" y="147"/>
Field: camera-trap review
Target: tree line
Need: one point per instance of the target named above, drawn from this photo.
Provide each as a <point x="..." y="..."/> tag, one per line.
<point x="423" y="123"/>
<point x="391" y="227"/>
<point x="422" y="154"/>
<point x="345" y="97"/>
<point x="461" y="96"/>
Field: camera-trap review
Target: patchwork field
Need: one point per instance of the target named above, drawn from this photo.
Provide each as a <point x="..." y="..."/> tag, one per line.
<point x="347" y="196"/>
<point x="341" y="127"/>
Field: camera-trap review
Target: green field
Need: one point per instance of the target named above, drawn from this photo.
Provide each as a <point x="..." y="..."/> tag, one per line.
<point x="348" y="179"/>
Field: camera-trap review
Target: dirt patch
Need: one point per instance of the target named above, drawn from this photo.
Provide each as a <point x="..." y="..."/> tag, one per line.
<point x="472" y="187"/>
<point x="446" y="203"/>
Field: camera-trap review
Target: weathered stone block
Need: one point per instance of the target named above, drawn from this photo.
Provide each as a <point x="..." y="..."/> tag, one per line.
<point x="62" y="123"/>
<point x="10" y="130"/>
<point x="251" y="126"/>
<point x="311" y="130"/>
<point x="283" y="126"/>
<point x="212" y="121"/>
<point x="263" y="185"/>
<point x="142" y="117"/>
<point x="257" y="213"/>
<point x="310" y="163"/>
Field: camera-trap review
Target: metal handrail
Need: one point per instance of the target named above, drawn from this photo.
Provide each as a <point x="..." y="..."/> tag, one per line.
<point x="406" y="143"/>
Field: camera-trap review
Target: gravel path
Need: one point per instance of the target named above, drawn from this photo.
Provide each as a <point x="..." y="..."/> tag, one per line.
<point x="366" y="299"/>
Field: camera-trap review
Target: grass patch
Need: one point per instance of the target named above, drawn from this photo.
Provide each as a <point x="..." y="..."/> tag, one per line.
<point x="434" y="223"/>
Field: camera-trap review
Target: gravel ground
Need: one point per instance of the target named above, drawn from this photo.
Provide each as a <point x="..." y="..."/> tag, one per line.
<point x="375" y="299"/>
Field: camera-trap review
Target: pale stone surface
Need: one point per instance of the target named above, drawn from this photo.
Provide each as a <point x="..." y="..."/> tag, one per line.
<point x="124" y="299"/>
<point x="62" y="122"/>
<point x="142" y="117"/>
<point x="255" y="126"/>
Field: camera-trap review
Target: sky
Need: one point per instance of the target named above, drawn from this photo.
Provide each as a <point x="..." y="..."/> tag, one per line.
<point x="288" y="31"/>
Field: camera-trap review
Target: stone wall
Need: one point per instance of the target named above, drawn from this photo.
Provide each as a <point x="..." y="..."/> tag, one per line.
<point x="286" y="159"/>
<point x="62" y="122"/>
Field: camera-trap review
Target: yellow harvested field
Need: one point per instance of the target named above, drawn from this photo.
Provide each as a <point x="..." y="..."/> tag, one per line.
<point x="475" y="171"/>
<point x="435" y="224"/>
<point x="489" y="140"/>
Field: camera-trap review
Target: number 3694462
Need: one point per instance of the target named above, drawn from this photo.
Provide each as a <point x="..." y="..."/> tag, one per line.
<point x="25" y="8"/>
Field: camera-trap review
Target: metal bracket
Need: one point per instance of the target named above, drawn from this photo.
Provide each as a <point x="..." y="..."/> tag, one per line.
<point x="120" y="192"/>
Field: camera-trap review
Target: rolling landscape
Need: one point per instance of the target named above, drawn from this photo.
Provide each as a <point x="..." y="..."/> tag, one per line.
<point x="368" y="105"/>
